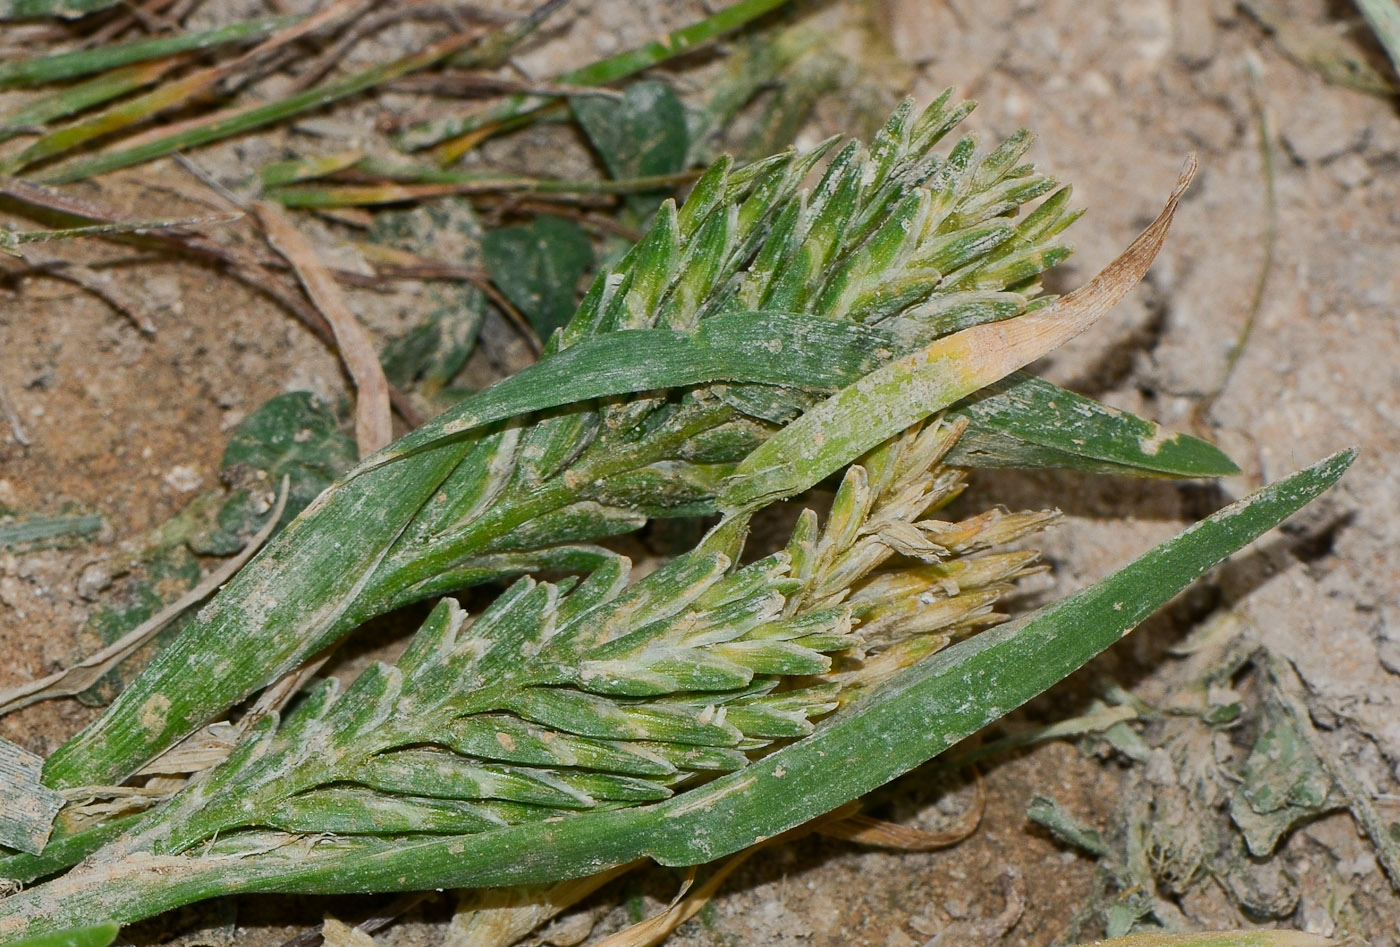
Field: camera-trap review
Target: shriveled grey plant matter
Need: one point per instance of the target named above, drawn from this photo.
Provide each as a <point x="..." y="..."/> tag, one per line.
<point x="752" y="280"/>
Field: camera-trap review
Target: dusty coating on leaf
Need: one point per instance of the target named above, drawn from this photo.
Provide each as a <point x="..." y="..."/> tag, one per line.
<point x="153" y="713"/>
<point x="1160" y="437"/>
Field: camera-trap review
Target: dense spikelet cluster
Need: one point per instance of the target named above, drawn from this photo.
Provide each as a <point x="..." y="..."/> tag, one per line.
<point x="897" y="235"/>
<point x="886" y="229"/>
<point x="607" y="694"/>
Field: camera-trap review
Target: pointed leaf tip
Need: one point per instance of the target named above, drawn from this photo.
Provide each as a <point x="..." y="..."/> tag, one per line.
<point x="1065" y="318"/>
<point x="1025" y="421"/>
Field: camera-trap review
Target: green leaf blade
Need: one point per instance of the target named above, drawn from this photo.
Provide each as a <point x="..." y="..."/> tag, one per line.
<point x="773" y="348"/>
<point x="1025" y="421"/>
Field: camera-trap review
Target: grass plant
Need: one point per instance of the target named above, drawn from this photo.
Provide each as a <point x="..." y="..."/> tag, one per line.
<point x="760" y="338"/>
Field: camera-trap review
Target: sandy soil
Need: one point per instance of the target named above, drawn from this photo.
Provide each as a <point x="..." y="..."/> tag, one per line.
<point x="128" y="425"/>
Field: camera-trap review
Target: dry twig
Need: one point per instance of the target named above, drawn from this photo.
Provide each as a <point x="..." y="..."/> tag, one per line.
<point x="98" y="283"/>
<point x="252" y="269"/>
<point x="16" y="428"/>
<point x="373" y="428"/>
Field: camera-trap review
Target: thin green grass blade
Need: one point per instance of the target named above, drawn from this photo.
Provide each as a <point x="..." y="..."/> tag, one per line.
<point x="1025" y="421"/>
<point x="20" y="72"/>
<point x="21" y="531"/>
<point x="220" y="125"/>
<point x="296" y="170"/>
<point x="84" y="95"/>
<point x="412" y="172"/>
<point x="11" y="240"/>
<point x="68" y="9"/>
<point x="520" y="108"/>
<point x="229" y="122"/>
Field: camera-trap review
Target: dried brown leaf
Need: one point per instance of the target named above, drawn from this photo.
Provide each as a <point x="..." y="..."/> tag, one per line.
<point x="996" y="349"/>
<point x="864" y="830"/>
<point x="373" y="428"/>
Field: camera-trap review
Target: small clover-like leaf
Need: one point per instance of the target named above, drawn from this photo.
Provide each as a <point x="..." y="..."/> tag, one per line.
<point x="641" y="134"/>
<point x="538" y="267"/>
<point x="295" y="436"/>
<point x="431" y="353"/>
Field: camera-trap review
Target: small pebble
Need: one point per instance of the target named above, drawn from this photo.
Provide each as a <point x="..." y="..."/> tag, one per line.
<point x="183" y="478"/>
<point x="93" y="579"/>
<point x="1350" y="170"/>
<point x="1389" y="655"/>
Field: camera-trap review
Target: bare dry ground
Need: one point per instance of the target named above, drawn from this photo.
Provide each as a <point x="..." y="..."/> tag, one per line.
<point x="130" y="425"/>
